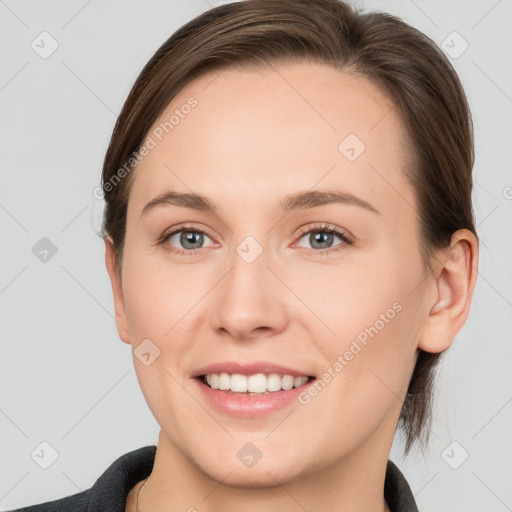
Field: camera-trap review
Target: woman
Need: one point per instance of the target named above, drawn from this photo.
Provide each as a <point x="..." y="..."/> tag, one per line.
<point x="290" y="241"/>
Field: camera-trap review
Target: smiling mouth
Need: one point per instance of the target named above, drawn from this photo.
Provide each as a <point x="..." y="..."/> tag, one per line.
<point x="256" y="384"/>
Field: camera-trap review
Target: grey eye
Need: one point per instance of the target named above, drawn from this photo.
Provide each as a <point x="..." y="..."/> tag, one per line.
<point x="189" y="240"/>
<point x="320" y="239"/>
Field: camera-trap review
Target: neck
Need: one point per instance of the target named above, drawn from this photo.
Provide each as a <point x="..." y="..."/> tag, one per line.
<point x="353" y="484"/>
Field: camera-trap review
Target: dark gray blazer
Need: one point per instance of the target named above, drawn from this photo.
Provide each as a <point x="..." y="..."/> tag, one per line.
<point x="109" y="492"/>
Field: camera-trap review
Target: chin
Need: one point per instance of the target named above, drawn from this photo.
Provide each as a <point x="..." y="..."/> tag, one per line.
<point x="254" y="478"/>
<point x="269" y="471"/>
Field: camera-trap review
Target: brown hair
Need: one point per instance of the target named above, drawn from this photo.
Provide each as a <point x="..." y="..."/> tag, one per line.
<point x="402" y="61"/>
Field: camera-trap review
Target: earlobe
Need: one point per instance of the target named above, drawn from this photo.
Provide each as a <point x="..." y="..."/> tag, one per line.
<point x="452" y="289"/>
<point x="117" y="292"/>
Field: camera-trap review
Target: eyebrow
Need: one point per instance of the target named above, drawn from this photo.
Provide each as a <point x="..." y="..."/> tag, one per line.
<point x="297" y="201"/>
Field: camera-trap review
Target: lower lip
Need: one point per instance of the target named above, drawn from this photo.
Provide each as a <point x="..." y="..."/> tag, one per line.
<point x="249" y="406"/>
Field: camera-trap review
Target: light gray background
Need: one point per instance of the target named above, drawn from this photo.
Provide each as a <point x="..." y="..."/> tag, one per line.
<point x="66" y="378"/>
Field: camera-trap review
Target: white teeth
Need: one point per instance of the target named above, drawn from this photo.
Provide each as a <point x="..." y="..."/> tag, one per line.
<point x="224" y="381"/>
<point x="238" y="383"/>
<point x="257" y="383"/>
<point x="287" y="382"/>
<point x="274" y="382"/>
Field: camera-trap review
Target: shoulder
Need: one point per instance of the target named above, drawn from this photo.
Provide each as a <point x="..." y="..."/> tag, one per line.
<point x="76" y="503"/>
<point x="110" y="490"/>
<point x="397" y="492"/>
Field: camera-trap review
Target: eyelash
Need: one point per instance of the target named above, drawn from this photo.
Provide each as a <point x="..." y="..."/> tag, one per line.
<point x="317" y="228"/>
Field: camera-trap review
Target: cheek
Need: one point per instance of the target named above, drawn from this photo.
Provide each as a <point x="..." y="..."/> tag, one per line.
<point x="158" y="295"/>
<point x="160" y="303"/>
<point x="374" y="320"/>
<point x="368" y="370"/>
<point x="350" y="297"/>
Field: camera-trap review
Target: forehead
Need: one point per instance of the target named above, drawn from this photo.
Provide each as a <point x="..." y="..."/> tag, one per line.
<point x="253" y="136"/>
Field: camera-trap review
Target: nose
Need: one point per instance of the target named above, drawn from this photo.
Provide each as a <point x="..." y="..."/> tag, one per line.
<point x="249" y="302"/>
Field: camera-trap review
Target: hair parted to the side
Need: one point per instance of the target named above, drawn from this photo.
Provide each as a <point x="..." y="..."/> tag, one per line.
<point x="403" y="62"/>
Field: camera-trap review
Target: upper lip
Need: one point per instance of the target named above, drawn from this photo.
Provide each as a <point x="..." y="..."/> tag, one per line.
<point x="249" y="368"/>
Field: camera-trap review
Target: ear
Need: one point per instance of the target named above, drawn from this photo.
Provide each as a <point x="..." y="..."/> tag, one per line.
<point x="452" y="286"/>
<point x="117" y="291"/>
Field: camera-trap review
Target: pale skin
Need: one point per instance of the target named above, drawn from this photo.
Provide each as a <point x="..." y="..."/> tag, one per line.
<point x="251" y="141"/>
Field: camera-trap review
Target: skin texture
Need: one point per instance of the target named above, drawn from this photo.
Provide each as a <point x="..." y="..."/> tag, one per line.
<point x="254" y="138"/>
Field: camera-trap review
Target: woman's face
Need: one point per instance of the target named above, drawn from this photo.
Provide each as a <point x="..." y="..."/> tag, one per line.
<point x="268" y="282"/>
